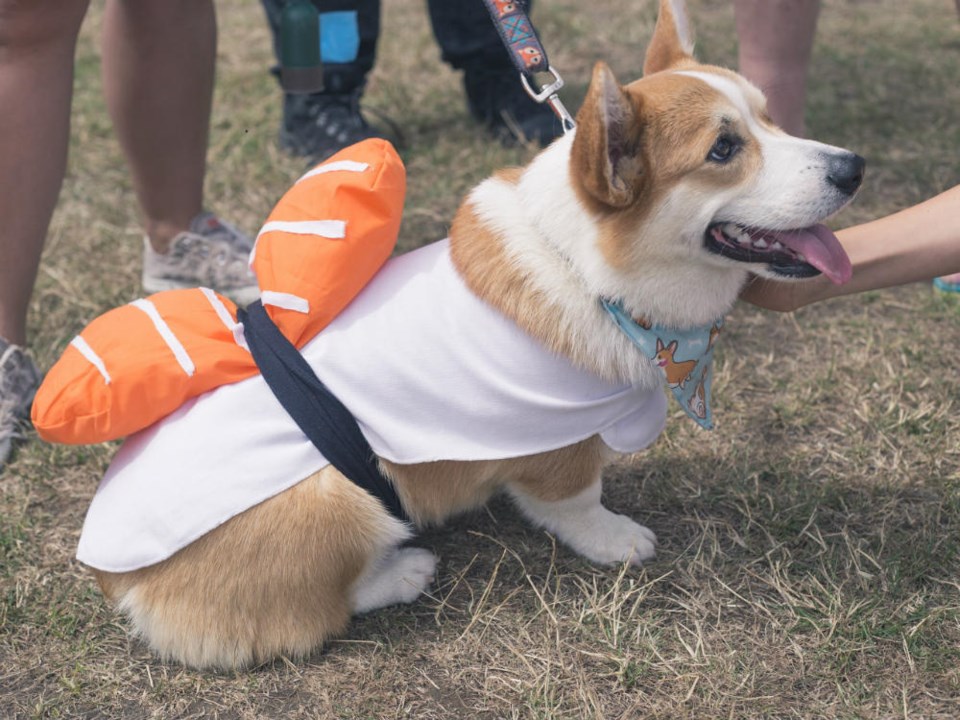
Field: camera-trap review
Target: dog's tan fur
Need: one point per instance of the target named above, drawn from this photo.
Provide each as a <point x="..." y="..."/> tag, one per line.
<point x="271" y="580"/>
<point x="282" y="577"/>
<point x="480" y="257"/>
<point x="276" y="579"/>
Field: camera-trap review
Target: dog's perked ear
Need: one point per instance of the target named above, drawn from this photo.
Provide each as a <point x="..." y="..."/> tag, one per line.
<point x="606" y="158"/>
<point x="672" y="41"/>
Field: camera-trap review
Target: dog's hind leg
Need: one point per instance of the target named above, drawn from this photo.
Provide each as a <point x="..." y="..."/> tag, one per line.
<point x="568" y="505"/>
<point x="399" y="577"/>
<point x="274" y="580"/>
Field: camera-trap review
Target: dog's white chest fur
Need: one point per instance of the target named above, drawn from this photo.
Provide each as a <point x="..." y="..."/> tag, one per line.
<point x="429" y="371"/>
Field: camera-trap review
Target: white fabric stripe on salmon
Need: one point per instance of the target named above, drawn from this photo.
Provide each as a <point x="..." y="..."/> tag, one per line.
<point x="226" y="318"/>
<point x="90" y="354"/>
<point x="176" y="347"/>
<point x="338" y="166"/>
<point x="327" y="229"/>
<point x="287" y="301"/>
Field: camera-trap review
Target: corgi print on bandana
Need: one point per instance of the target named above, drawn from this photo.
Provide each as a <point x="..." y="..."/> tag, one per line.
<point x="685" y="357"/>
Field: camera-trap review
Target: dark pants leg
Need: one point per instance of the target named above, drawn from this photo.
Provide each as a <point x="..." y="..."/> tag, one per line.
<point x="319" y="124"/>
<point x="340" y="77"/>
<point x="469" y="41"/>
<point x="466" y="34"/>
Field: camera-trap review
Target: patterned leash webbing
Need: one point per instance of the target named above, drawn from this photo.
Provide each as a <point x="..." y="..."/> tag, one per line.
<point x="528" y="56"/>
<point x="511" y="21"/>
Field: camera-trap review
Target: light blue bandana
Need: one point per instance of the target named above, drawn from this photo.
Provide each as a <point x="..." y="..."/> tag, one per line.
<point x="685" y="356"/>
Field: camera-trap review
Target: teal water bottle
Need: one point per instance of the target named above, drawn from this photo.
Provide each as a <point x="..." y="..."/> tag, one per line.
<point x="300" y="68"/>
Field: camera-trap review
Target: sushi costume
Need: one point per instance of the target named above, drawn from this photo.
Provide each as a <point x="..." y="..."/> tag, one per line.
<point x="429" y="372"/>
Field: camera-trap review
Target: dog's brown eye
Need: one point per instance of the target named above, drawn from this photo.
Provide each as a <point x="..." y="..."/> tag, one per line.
<point x="723" y="149"/>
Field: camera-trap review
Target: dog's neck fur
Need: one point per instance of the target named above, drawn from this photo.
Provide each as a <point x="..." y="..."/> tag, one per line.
<point x="525" y="243"/>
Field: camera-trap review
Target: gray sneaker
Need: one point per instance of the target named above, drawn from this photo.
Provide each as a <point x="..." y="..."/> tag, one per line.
<point x="19" y="380"/>
<point x="211" y="253"/>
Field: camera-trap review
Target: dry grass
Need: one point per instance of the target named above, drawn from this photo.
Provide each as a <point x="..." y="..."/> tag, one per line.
<point x="809" y="548"/>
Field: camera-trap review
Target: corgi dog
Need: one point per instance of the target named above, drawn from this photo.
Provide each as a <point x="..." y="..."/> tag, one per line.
<point x="672" y="191"/>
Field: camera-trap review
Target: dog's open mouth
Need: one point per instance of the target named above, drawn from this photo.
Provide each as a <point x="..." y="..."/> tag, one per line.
<point x="800" y="253"/>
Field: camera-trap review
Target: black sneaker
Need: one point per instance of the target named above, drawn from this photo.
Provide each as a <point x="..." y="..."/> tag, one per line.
<point x="318" y="125"/>
<point x="498" y="100"/>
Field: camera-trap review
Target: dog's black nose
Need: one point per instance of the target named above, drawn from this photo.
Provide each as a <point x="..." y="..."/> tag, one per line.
<point x="845" y="172"/>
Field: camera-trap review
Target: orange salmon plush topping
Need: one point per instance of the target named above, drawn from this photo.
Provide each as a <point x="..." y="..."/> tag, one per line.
<point x="326" y="237"/>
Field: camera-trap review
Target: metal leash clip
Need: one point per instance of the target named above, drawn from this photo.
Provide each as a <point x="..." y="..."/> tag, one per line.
<point x="549" y="94"/>
<point x="528" y="56"/>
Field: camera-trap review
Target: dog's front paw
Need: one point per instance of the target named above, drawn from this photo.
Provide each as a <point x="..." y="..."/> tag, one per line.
<point x="613" y="538"/>
<point x="589" y="528"/>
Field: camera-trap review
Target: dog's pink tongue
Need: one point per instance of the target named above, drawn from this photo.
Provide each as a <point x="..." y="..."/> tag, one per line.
<point x="822" y="249"/>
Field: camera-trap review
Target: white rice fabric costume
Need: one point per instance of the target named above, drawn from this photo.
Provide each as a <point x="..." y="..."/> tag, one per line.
<point x="429" y="371"/>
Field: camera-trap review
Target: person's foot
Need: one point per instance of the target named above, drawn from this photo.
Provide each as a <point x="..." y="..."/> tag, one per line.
<point x="19" y="380"/>
<point x="948" y="283"/>
<point x="317" y="126"/>
<point x="497" y="99"/>
<point x="210" y="253"/>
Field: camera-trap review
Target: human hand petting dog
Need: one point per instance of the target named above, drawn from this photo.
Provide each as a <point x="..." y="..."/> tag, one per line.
<point x="918" y="243"/>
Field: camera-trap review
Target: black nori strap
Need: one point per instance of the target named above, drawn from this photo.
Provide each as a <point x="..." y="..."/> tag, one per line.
<point x="317" y="411"/>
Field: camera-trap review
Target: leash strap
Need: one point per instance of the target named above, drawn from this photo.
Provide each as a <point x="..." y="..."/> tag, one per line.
<point x="317" y="411"/>
<point x="512" y="23"/>
<point x="528" y="56"/>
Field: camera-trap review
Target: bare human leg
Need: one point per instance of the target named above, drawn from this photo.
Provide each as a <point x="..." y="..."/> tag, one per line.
<point x="37" y="43"/>
<point x="159" y="61"/>
<point x="776" y="41"/>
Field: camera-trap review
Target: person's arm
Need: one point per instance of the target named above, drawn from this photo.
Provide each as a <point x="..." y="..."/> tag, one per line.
<point x="919" y="243"/>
